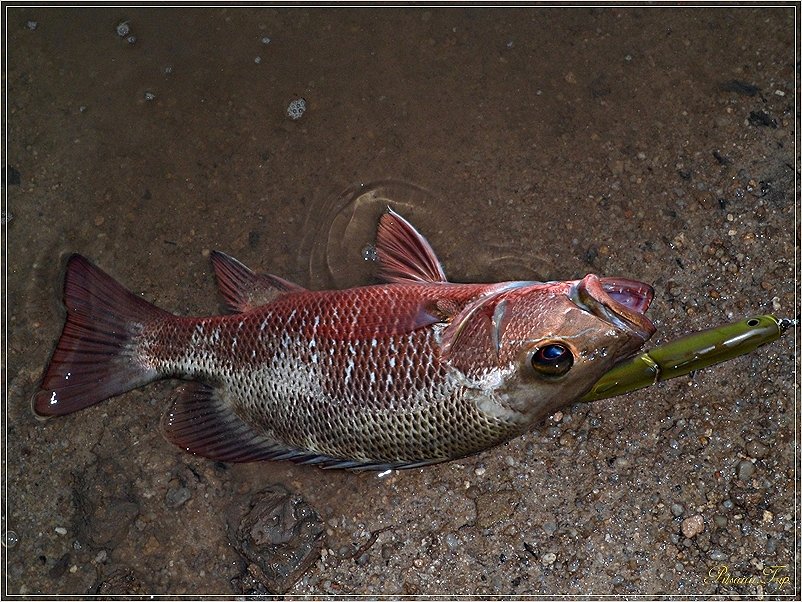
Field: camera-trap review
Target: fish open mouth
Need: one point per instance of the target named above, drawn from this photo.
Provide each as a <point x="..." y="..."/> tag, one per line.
<point x="620" y="301"/>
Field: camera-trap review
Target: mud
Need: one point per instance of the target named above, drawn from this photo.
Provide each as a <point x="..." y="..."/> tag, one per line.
<point x="650" y="143"/>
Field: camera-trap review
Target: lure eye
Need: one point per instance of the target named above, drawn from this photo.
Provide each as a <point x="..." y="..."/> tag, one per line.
<point x="552" y="359"/>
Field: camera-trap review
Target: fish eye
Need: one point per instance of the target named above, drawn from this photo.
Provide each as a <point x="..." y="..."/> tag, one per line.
<point x="552" y="359"/>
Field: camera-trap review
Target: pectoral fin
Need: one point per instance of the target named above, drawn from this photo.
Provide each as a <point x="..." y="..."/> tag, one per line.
<point x="482" y="321"/>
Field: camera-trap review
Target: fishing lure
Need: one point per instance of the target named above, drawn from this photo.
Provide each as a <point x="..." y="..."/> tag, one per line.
<point x="689" y="353"/>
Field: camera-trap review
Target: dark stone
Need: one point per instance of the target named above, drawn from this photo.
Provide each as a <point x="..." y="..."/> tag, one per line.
<point x="761" y="119"/>
<point x="60" y="567"/>
<point x="279" y="535"/>
<point x="722" y="159"/>
<point x="600" y="87"/>
<point x="105" y="504"/>
<point x="740" y="87"/>
<point x="11" y="176"/>
<point x="121" y="582"/>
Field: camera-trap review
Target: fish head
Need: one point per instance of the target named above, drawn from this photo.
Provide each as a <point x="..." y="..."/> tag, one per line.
<point x="532" y="348"/>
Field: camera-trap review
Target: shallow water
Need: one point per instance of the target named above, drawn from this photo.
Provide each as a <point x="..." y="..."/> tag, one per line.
<point x="650" y="143"/>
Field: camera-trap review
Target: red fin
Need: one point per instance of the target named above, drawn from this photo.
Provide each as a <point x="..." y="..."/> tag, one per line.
<point x="201" y="421"/>
<point x="94" y="358"/>
<point x="243" y="288"/>
<point x="404" y="254"/>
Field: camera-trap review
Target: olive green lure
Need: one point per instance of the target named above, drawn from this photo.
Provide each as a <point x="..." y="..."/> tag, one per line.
<point x="689" y="353"/>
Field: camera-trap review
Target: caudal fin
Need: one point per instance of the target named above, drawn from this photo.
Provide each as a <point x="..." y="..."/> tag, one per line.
<point x="95" y="357"/>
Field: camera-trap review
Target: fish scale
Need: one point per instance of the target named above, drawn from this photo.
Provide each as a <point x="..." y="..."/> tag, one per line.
<point x="414" y="371"/>
<point x="386" y="392"/>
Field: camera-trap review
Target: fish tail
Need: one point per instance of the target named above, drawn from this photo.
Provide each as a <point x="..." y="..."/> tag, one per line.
<point x="96" y="356"/>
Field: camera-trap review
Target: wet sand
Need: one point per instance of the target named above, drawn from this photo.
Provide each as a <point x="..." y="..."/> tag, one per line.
<point x="650" y="143"/>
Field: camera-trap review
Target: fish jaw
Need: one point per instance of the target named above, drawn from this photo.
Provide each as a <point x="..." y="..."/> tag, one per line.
<point x="618" y="301"/>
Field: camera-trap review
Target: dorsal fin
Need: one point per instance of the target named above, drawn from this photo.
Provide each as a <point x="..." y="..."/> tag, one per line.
<point x="404" y="254"/>
<point x="245" y="289"/>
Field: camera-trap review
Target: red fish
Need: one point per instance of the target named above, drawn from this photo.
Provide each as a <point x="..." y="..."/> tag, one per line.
<point x="412" y="372"/>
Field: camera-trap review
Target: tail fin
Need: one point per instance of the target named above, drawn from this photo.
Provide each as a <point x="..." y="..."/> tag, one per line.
<point x="94" y="358"/>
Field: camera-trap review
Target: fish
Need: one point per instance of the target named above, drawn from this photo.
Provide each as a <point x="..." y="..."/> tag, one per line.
<point x="411" y="371"/>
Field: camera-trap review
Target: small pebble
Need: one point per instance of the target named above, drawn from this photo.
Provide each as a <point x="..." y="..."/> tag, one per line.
<point x="150" y="96"/>
<point x="257" y="60"/>
<point x="692" y="526"/>
<point x="721" y="521"/>
<point x="296" y="109"/>
<point x="60" y="530"/>
<point x="745" y="470"/>
<point x="677" y="509"/>
<point x="177" y="497"/>
<point x="131" y="39"/>
<point x="717" y="555"/>
<point x="32" y="25"/>
<point x="452" y="541"/>
<point x="123" y="29"/>
<point x="479" y="471"/>
<point x="756" y="449"/>
<point x="101" y="556"/>
<point x="548" y="558"/>
<point x="265" y="40"/>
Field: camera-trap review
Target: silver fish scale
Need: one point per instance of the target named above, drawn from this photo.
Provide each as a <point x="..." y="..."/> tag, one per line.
<point x="301" y="376"/>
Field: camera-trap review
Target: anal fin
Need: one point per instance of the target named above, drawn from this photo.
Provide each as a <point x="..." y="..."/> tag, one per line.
<point x="201" y="422"/>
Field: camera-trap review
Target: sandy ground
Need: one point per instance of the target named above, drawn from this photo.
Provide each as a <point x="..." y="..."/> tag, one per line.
<point x="652" y="143"/>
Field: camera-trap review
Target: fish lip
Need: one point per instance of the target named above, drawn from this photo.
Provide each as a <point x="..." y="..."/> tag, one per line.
<point x="620" y="301"/>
